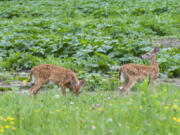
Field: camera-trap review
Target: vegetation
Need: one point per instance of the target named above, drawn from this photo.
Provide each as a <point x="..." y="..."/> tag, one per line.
<point x="90" y="37"/>
<point x="94" y="34"/>
<point x="92" y="113"/>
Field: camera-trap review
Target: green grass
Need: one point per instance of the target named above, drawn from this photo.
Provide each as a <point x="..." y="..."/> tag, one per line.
<point x="88" y="37"/>
<point x="100" y="113"/>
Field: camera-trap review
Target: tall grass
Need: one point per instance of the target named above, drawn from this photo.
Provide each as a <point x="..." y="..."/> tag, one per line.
<point x="100" y="113"/>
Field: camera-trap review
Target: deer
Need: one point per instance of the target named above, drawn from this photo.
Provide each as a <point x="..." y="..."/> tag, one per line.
<point x="64" y="78"/>
<point x="130" y="73"/>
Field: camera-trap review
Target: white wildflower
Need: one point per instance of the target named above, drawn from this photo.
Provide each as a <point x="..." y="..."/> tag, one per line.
<point x="110" y="120"/>
<point x="93" y="127"/>
<point x="119" y="124"/>
<point x="56" y="96"/>
<point x="71" y="103"/>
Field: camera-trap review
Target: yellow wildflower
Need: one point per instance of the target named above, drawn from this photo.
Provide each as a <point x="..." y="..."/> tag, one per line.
<point x="1" y="130"/>
<point x="37" y="110"/>
<point x="175" y="106"/>
<point x="140" y="107"/>
<point x="57" y="110"/>
<point x="174" y="118"/>
<point x="10" y="118"/>
<point x="137" y="127"/>
<point x="25" y="82"/>
<point x="6" y="126"/>
<point x="12" y="122"/>
<point x="100" y="108"/>
<point x="178" y="120"/>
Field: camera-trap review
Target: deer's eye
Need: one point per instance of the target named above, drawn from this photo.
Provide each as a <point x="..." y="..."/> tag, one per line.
<point x="147" y="54"/>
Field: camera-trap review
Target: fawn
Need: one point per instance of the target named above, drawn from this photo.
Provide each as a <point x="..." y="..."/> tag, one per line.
<point x="65" y="78"/>
<point x="130" y="73"/>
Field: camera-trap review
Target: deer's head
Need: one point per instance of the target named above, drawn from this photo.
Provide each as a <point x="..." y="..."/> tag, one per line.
<point x="77" y="87"/>
<point x="150" y="55"/>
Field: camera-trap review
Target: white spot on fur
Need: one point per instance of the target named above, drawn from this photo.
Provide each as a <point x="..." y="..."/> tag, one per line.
<point x="120" y="87"/>
<point x="122" y="77"/>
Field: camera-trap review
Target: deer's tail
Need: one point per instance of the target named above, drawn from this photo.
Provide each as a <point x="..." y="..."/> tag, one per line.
<point x="121" y="75"/>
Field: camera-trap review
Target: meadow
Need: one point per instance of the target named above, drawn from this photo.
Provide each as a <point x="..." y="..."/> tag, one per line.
<point x="92" y="113"/>
<point x="92" y="38"/>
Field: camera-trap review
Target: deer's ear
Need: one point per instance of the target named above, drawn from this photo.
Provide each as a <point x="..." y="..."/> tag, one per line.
<point x="82" y="82"/>
<point x="72" y="82"/>
<point x="156" y="49"/>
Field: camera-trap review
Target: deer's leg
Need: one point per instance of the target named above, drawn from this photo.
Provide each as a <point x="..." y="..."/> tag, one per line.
<point x="32" y="88"/>
<point x="63" y="88"/>
<point x="35" y="88"/>
<point x="121" y="88"/>
<point x="149" y="82"/>
<point x="129" y="86"/>
<point x="152" y="84"/>
<point x="152" y="81"/>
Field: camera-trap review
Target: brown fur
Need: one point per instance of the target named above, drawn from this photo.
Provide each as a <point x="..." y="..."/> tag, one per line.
<point x="133" y="72"/>
<point x="65" y="78"/>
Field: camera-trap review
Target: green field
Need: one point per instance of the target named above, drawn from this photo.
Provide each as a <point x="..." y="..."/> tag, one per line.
<point x="92" y="113"/>
<point x="90" y="37"/>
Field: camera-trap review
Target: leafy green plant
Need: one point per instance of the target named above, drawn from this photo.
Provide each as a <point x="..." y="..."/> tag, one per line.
<point x="19" y="61"/>
<point x="95" y="35"/>
<point x="169" y="61"/>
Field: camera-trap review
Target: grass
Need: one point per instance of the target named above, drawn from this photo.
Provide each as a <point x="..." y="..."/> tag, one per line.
<point x="92" y="113"/>
<point x="78" y="35"/>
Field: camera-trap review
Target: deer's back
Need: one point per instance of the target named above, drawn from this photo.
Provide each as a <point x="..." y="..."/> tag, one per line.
<point x="53" y="73"/>
<point x="138" y="71"/>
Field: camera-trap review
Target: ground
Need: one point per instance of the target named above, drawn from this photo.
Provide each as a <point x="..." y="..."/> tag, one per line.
<point x="168" y="42"/>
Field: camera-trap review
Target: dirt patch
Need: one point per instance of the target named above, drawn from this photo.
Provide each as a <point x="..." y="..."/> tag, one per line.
<point x="174" y="81"/>
<point x="14" y="80"/>
<point x="168" y="42"/>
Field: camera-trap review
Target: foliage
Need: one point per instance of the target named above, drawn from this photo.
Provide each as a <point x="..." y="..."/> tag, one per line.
<point x="92" y="113"/>
<point x="170" y="61"/>
<point x="19" y="61"/>
<point x="89" y="37"/>
<point x="94" y="34"/>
